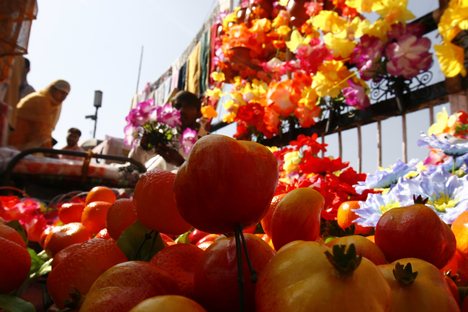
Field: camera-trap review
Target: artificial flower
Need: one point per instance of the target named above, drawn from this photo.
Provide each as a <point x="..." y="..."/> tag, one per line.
<point x="362" y="6"/>
<point x="328" y="21"/>
<point x="331" y="78"/>
<point x="408" y="56"/>
<point x="393" y="11"/>
<point x="375" y="205"/>
<point x="209" y="112"/>
<point x="386" y="178"/>
<point x="451" y="59"/>
<point x="340" y="47"/>
<point x="356" y="95"/>
<point x="447" y="143"/>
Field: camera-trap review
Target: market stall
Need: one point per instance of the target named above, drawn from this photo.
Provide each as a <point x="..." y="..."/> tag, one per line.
<point x="270" y="220"/>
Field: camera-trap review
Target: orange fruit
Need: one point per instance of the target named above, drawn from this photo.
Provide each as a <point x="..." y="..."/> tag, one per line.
<point x="15" y="262"/>
<point x="121" y="215"/>
<point x="415" y="231"/>
<point x="125" y="285"/>
<point x="94" y="216"/>
<point x="64" y="253"/>
<point x="225" y="184"/>
<point x="297" y="217"/>
<point x="364" y="247"/>
<point x="71" y="212"/>
<point x="216" y="280"/>
<point x="156" y="205"/>
<point x="10" y="233"/>
<point x="75" y="274"/>
<point x="460" y="230"/>
<point x="266" y="220"/>
<point x="168" y="303"/>
<point x="180" y="261"/>
<point x="61" y="236"/>
<point x="346" y="215"/>
<point x="100" y="193"/>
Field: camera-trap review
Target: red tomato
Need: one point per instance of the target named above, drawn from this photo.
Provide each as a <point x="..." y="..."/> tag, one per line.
<point x="297" y="217"/>
<point x="225" y="184"/>
<point x="216" y="283"/>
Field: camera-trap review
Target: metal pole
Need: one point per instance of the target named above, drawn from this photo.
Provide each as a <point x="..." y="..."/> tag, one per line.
<point x="95" y="122"/>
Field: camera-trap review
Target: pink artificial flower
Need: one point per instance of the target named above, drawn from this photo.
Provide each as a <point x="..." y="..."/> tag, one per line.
<point x="188" y="139"/>
<point x="168" y="115"/>
<point x="355" y="95"/>
<point x="311" y="56"/>
<point x="367" y="56"/>
<point x="408" y="56"/>
<point x="399" y="30"/>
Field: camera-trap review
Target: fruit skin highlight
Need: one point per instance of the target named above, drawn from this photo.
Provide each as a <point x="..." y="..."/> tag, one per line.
<point x="225" y="184"/>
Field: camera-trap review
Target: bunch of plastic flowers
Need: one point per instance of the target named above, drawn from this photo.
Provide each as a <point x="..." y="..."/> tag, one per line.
<point x="301" y="165"/>
<point x="312" y="64"/>
<point x="151" y="126"/>
<point x="443" y="180"/>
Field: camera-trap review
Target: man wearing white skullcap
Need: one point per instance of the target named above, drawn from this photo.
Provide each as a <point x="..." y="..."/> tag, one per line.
<point x="37" y="115"/>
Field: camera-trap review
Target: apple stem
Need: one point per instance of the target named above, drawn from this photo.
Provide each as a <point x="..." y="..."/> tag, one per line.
<point x="240" y="273"/>
<point x="253" y="273"/>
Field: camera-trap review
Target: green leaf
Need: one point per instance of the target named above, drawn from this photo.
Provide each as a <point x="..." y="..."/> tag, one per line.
<point x="40" y="264"/>
<point x="9" y="303"/>
<point x="183" y="238"/>
<point x="140" y="243"/>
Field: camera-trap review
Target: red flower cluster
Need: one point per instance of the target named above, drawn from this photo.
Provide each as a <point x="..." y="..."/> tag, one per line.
<point x="332" y="177"/>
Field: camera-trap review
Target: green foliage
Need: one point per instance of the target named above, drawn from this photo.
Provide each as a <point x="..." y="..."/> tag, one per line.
<point x="11" y="303"/>
<point x="140" y="243"/>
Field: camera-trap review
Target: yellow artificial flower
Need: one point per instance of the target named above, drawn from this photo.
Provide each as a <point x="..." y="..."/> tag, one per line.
<point x="362" y="6"/>
<point x="356" y="27"/>
<point x="229" y="118"/>
<point x="378" y="29"/>
<point x="328" y="21"/>
<point x="451" y="59"/>
<point x="261" y="26"/>
<point x="214" y="93"/>
<point x="444" y="123"/>
<point x="296" y="41"/>
<point x="291" y="161"/>
<point x="331" y="78"/>
<point x="282" y="19"/>
<point x="218" y="76"/>
<point x="230" y="105"/>
<point x="283" y="30"/>
<point x="340" y="47"/>
<point x="448" y="24"/>
<point x="230" y="18"/>
<point x="283" y="2"/>
<point x="308" y="97"/>
<point x="209" y="112"/>
<point x="393" y="11"/>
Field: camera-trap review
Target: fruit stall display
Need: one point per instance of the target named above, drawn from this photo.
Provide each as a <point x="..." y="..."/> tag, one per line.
<point x="244" y="227"/>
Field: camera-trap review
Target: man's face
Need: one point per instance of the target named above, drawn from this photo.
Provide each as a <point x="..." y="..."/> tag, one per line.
<point x="72" y="139"/>
<point x="189" y="116"/>
<point x="58" y="95"/>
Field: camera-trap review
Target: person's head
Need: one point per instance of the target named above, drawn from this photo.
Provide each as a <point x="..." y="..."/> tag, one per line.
<point x="73" y="136"/>
<point x="189" y="106"/>
<point x="59" y="90"/>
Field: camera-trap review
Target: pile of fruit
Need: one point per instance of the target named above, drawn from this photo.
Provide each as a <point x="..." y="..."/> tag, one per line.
<point x="218" y="236"/>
